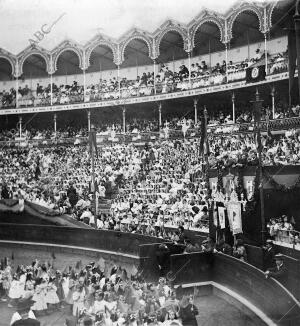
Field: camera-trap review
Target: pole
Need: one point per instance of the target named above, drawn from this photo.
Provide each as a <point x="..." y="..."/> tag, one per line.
<point x="54" y="120"/>
<point x="17" y="84"/>
<point x="159" y="115"/>
<point x="119" y="82"/>
<point x="209" y="54"/>
<point x="51" y="89"/>
<point x="84" y="85"/>
<point x="248" y="42"/>
<point x="226" y="58"/>
<point x="92" y="164"/>
<point x="273" y="102"/>
<point x="154" y="79"/>
<point x="124" y="120"/>
<point x="195" y="107"/>
<point x="20" y="127"/>
<point x="190" y="81"/>
<point x="266" y="54"/>
<point x="297" y="31"/>
<point x="257" y="110"/>
<point x="89" y="121"/>
<point x="233" y="107"/>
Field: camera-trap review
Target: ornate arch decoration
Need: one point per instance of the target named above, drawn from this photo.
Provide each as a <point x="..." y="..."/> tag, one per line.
<point x="207" y="17"/>
<point x="67" y="46"/>
<point x="245" y="6"/>
<point x="171" y="26"/>
<point x="135" y="34"/>
<point x="99" y="40"/>
<point x="11" y="59"/>
<point x="31" y="50"/>
<point x="270" y="9"/>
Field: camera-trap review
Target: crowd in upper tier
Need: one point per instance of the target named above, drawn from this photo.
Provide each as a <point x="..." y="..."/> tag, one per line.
<point x="164" y="81"/>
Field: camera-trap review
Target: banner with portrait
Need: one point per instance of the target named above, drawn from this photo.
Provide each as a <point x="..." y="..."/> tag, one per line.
<point x="221" y="213"/>
<point x="235" y="217"/>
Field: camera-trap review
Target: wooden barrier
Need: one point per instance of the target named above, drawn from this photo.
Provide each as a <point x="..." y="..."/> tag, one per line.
<point x="89" y="238"/>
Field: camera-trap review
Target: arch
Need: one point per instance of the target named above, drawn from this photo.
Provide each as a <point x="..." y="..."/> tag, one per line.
<point x="74" y="49"/>
<point x="270" y="10"/>
<point x="247" y="7"/>
<point x="135" y="37"/>
<point x="172" y="28"/>
<point x="93" y="46"/>
<point x="209" y="19"/>
<point x="11" y="61"/>
<point x="35" y="52"/>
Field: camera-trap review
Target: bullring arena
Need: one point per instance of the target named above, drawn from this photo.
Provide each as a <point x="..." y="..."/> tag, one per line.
<point x="150" y="163"/>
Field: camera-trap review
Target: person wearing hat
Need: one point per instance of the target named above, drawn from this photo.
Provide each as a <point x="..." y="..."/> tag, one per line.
<point x="269" y="254"/>
<point x="188" y="311"/>
<point x="24" y="315"/>
<point x="279" y="272"/>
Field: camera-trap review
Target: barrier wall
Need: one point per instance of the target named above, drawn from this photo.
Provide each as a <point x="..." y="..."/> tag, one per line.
<point x="118" y="242"/>
<point x="245" y="281"/>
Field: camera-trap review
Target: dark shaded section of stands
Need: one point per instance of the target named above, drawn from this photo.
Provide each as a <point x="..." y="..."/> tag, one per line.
<point x="118" y="242"/>
<point x="245" y="280"/>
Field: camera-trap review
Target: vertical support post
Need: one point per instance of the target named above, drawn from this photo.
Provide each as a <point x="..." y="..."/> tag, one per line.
<point x="89" y="120"/>
<point x="159" y="115"/>
<point x="226" y="58"/>
<point x="273" y="102"/>
<point x="119" y="82"/>
<point x="190" y="81"/>
<point x="124" y="119"/>
<point x="195" y="108"/>
<point x="233" y="106"/>
<point x="51" y="89"/>
<point x="20" y="127"/>
<point x="257" y="111"/>
<point x="55" y="126"/>
<point x="91" y="132"/>
<point x="266" y="54"/>
<point x="84" y="86"/>
<point x="154" y="73"/>
<point x="297" y="31"/>
<point x="17" y="83"/>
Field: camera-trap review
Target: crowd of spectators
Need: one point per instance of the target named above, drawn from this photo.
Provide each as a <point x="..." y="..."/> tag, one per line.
<point x="165" y="81"/>
<point x="282" y="229"/>
<point x="97" y="294"/>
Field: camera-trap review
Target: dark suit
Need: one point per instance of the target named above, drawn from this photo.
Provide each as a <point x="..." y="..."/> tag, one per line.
<point x="26" y="322"/>
<point x="279" y="273"/>
<point x="269" y="258"/>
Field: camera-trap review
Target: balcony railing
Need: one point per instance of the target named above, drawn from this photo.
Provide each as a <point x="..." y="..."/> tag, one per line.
<point x="234" y="74"/>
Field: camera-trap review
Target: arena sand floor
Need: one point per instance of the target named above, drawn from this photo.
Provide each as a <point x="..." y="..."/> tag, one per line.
<point x="213" y="311"/>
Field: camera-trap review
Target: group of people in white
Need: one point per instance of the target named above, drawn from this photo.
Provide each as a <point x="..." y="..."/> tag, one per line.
<point x="103" y="292"/>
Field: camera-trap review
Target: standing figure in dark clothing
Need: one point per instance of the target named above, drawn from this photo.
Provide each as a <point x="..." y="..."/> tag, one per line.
<point x="279" y="272"/>
<point x="163" y="259"/>
<point x="72" y="195"/>
<point x="269" y="255"/>
<point x="188" y="312"/>
<point x="4" y="192"/>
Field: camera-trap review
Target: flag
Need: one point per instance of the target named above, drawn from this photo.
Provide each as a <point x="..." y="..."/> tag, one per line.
<point x="221" y="213"/>
<point x="204" y="149"/>
<point x="235" y="217"/>
<point x="256" y="72"/>
<point x="93" y="142"/>
<point x="93" y="187"/>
